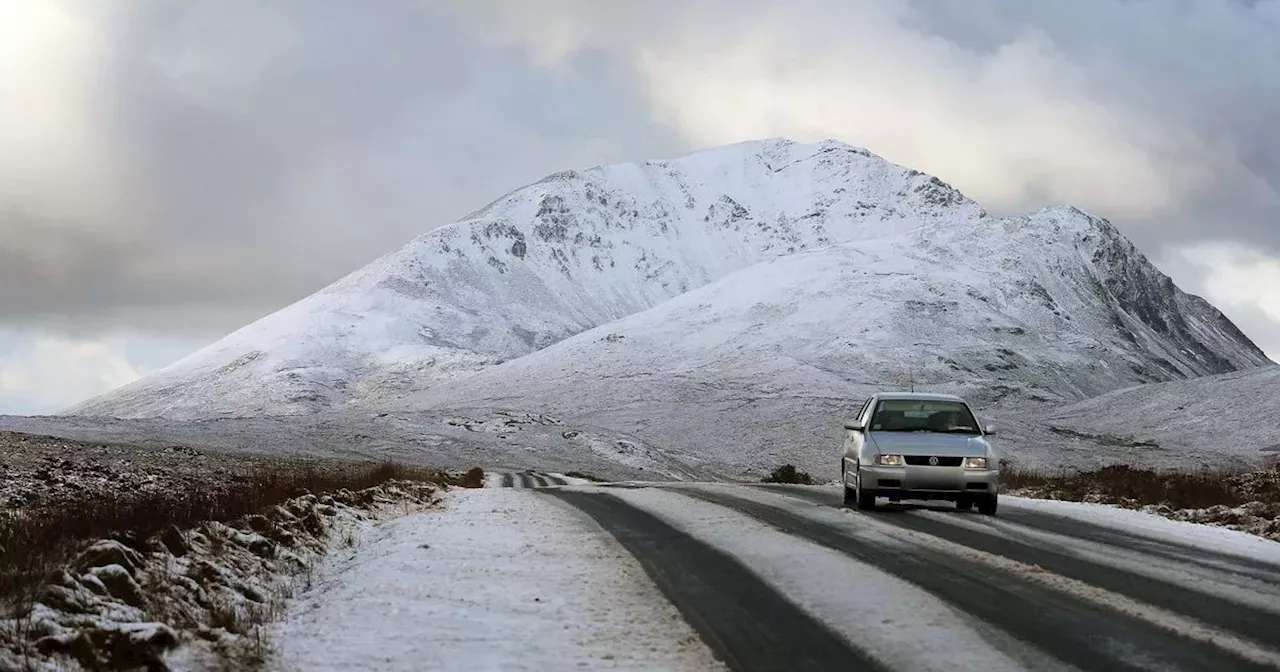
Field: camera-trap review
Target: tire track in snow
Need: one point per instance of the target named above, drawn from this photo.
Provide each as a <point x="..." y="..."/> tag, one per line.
<point x="742" y="619"/>
<point x="1229" y="615"/>
<point x="1169" y="550"/>
<point x="896" y="623"/>
<point x="1071" y="629"/>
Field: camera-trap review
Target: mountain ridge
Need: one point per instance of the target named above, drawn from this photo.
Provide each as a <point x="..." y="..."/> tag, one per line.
<point x="759" y="367"/>
<point x="584" y="248"/>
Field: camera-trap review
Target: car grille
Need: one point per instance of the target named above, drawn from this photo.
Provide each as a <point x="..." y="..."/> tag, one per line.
<point x="943" y="460"/>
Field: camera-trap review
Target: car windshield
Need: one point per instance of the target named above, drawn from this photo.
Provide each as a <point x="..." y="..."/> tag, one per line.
<point x="923" y="415"/>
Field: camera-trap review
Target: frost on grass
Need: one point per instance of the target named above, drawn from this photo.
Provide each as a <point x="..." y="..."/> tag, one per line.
<point x="1248" y="501"/>
<point x="193" y="597"/>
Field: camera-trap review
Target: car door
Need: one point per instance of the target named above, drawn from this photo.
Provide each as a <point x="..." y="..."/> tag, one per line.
<point x="854" y="441"/>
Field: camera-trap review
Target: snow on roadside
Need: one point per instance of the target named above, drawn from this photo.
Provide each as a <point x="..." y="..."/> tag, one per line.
<point x="938" y="637"/>
<point x="475" y="586"/>
<point x="1152" y="526"/>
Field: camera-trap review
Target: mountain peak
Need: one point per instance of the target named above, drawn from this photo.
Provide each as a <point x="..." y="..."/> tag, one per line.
<point x="584" y="248"/>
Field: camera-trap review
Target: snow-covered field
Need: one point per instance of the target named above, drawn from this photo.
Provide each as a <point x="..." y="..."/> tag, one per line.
<point x="455" y="439"/>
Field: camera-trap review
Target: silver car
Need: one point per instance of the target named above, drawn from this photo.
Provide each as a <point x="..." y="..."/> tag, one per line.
<point x="919" y="446"/>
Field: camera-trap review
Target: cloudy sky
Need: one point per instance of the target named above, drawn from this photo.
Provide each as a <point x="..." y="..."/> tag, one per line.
<point x="172" y="170"/>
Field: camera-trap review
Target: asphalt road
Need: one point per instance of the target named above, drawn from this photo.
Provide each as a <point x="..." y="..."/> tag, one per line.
<point x="751" y="625"/>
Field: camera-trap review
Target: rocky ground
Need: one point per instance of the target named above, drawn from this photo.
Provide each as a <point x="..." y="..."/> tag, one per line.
<point x="454" y="439"/>
<point x="120" y="556"/>
<point x="195" y="598"/>
<point x="38" y="470"/>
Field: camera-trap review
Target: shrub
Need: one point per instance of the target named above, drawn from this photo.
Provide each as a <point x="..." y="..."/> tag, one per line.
<point x="473" y="478"/>
<point x="1179" y="489"/>
<point x="788" y="473"/>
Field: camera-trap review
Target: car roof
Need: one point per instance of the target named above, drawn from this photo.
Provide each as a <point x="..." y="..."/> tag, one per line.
<point x="919" y="395"/>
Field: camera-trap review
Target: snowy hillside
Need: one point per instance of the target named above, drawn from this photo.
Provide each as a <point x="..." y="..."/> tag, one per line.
<point x="761" y="366"/>
<point x="1186" y="417"/>
<point x="821" y="267"/>
<point x="575" y="250"/>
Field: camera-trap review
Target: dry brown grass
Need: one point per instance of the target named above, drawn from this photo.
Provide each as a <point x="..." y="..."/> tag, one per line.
<point x="1178" y="489"/>
<point x="43" y="536"/>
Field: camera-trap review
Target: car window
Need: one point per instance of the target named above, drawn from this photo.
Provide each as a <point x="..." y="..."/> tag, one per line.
<point x="923" y="415"/>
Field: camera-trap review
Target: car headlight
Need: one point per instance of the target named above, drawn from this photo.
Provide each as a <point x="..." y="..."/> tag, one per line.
<point x="975" y="463"/>
<point x="889" y="460"/>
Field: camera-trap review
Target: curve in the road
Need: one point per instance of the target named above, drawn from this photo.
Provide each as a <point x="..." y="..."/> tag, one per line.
<point x="741" y="618"/>
<point x="1069" y="629"/>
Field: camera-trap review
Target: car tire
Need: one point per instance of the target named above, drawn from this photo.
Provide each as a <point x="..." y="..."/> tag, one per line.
<point x="987" y="505"/>
<point x="964" y="504"/>
<point x="866" y="500"/>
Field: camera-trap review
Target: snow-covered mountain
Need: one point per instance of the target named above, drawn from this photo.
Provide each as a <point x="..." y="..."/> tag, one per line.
<point x="754" y="270"/>
<point x="758" y="367"/>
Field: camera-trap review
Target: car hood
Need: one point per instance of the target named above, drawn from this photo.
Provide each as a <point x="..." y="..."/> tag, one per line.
<point x="927" y="443"/>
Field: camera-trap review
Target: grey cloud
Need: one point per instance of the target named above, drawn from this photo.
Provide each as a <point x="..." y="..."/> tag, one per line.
<point x="268" y="148"/>
<point x="1209" y="67"/>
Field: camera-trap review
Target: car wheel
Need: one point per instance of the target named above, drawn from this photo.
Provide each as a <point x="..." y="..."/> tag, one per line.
<point x="866" y="500"/>
<point x="964" y="504"/>
<point x="849" y="494"/>
<point x="987" y="505"/>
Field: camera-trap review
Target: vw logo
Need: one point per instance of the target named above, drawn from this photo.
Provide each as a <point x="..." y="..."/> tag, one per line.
<point x="933" y="461"/>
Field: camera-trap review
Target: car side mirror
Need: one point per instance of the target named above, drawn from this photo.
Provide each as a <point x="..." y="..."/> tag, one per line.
<point x="989" y="430"/>
<point x="853" y="425"/>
